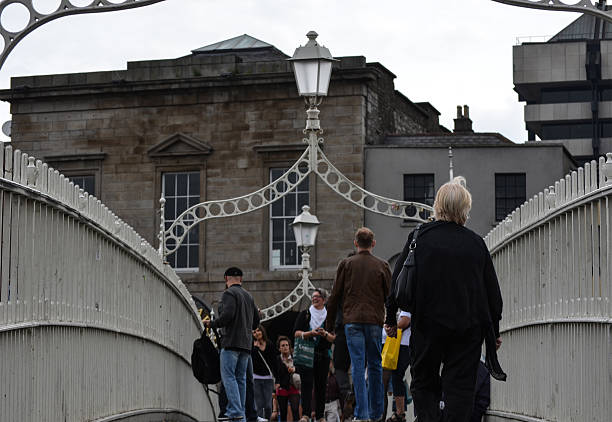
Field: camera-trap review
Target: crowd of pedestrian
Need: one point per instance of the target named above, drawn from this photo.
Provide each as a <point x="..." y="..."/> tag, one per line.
<point x="457" y="306"/>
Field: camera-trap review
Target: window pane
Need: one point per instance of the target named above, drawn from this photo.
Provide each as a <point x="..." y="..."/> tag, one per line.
<point x="194" y="184"/>
<point x="277" y="230"/>
<point x="181" y="184"/>
<point x="170" y="209"/>
<point x="282" y="213"/>
<point x="169" y="181"/>
<point x="178" y="200"/>
<point x="193" y="200"/>
<point x="510" y="193"/>
<point x="193" y="256"/>
<point x="289" y="235"/>
<point x="181" y="257"/>
<point x="181" y="205"/>
<point x="290" y="204"/>
<point x="302" y="200"/>
<point x="278" y="252"/>
<point x="277" y="208"/>
<point x="290" y="253"/>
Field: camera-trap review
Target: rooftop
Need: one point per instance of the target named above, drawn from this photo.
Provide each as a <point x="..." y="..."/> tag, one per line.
<point x="239" y="43"/>
<point x="448" y="139"/>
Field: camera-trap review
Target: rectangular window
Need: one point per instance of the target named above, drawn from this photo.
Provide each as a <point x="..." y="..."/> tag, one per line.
<point x="419" y="188"/>
<point x="87" y="183"/>
<point x="510" y="193"/>
<point x="182" y="191"/>
<point x="283" y="249"/>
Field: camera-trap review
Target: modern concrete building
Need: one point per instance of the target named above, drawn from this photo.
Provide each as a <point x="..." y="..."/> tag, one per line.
<point x="500" y="174"/>
<point x="566" y="83"/>
<point x="218" y="123"/>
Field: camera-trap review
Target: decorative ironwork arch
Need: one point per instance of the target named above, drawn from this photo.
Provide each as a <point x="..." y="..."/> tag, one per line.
<point x="64" y="8"/>
<point x="597" y="9"/>
<point x="312" y="160"/>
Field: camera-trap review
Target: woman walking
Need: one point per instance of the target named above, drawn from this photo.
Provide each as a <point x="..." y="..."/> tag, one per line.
<point x="457" y="302"/>
<point x="288" y="383"/>
<point x="264" y="372"/>
<point x="309" y="325"/>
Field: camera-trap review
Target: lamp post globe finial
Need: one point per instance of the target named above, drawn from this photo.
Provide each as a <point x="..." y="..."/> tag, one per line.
<point x="312" y="35"/>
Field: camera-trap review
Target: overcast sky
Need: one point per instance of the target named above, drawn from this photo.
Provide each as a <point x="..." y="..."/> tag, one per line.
<point x="447" y="52"/>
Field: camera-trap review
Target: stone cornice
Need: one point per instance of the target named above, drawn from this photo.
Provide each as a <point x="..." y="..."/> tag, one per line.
<point x="121" y="86"/>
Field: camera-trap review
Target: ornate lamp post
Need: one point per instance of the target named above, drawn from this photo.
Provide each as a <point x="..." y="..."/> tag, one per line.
<point x="312" y="65"/>
<point x="305" y="227"/>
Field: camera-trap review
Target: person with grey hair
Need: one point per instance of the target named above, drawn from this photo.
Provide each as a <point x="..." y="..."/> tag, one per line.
<point x="457" y="300"/>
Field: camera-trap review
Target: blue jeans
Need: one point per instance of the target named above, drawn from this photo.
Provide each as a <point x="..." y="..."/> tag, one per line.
<point x="364" y="342"/>
<point x="233" y="374"/>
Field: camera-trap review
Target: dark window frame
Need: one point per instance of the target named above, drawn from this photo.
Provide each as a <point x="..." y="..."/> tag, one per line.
<point x="510" y="193"/>
<point x="427" y="194"/>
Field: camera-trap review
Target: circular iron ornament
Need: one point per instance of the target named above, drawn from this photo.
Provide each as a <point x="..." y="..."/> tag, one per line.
<point x="64" y="8"/>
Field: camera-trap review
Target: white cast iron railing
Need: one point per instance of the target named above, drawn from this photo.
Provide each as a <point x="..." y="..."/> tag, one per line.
<point x="553" y="259"/>
<point x="93" y="326"/>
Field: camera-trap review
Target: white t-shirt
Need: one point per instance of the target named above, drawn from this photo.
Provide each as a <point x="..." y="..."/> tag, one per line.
<point x="405" y="333"/>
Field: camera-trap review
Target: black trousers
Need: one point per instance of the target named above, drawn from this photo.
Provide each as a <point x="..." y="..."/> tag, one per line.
<point x="317" y="377"/>
<point x="432" y="345"/>
<point x="342" y="363"/>
<point x="293" y="401"/>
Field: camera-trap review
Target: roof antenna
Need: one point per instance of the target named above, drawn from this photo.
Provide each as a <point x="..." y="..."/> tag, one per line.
<point x="450" y="164"/>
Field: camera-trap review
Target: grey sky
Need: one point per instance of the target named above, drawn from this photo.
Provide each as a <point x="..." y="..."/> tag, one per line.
<point x="447" y="52"/>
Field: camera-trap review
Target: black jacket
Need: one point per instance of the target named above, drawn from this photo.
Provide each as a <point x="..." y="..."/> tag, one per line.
<point x="456" y="282"/>
<point x="258" y="356"/>
<point x="302" y="323"/>
<point x="237" y="318"/>
<point x="284" y="377"/>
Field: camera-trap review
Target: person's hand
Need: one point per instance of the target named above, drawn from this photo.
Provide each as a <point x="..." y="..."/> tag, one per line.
<point x="498" y="343"/>
<point x="391" y="330"/>
<point x="320" y="331"/>
<point x="291" y="369"/>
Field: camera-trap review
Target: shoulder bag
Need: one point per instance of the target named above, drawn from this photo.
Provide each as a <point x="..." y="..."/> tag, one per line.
<point x="405" y="284"/>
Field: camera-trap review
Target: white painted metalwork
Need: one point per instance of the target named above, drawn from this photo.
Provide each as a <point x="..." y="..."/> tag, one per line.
<point x="312" y="160"/>
<point x="37" y="17"/>
<point x="93" y="325"/>
<point x="595" y="8"/>
<point x="553" y="258"/>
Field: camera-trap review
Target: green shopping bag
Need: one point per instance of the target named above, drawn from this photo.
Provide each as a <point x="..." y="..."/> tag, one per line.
<point x="303" y="352"/>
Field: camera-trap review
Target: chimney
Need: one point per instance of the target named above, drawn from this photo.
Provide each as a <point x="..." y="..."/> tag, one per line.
<point x="463" y="123"/>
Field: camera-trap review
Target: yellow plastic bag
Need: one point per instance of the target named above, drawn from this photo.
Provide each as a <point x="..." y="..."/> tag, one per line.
<point x="390" y="351"/>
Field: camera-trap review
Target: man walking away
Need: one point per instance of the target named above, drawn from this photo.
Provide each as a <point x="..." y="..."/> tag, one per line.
<point x="362" y="281"/>
<point x="238" y="316"/>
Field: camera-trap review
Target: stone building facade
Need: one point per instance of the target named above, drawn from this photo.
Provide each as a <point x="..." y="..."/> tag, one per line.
<point x="224" y="119"/>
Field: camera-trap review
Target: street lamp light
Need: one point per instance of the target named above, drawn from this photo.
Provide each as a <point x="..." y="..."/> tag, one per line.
<point x="305" y="227"/>
<point x="312" y="65"/>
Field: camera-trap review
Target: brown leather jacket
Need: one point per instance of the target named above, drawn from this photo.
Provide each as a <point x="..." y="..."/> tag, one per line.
<point x="362" y="285"/>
